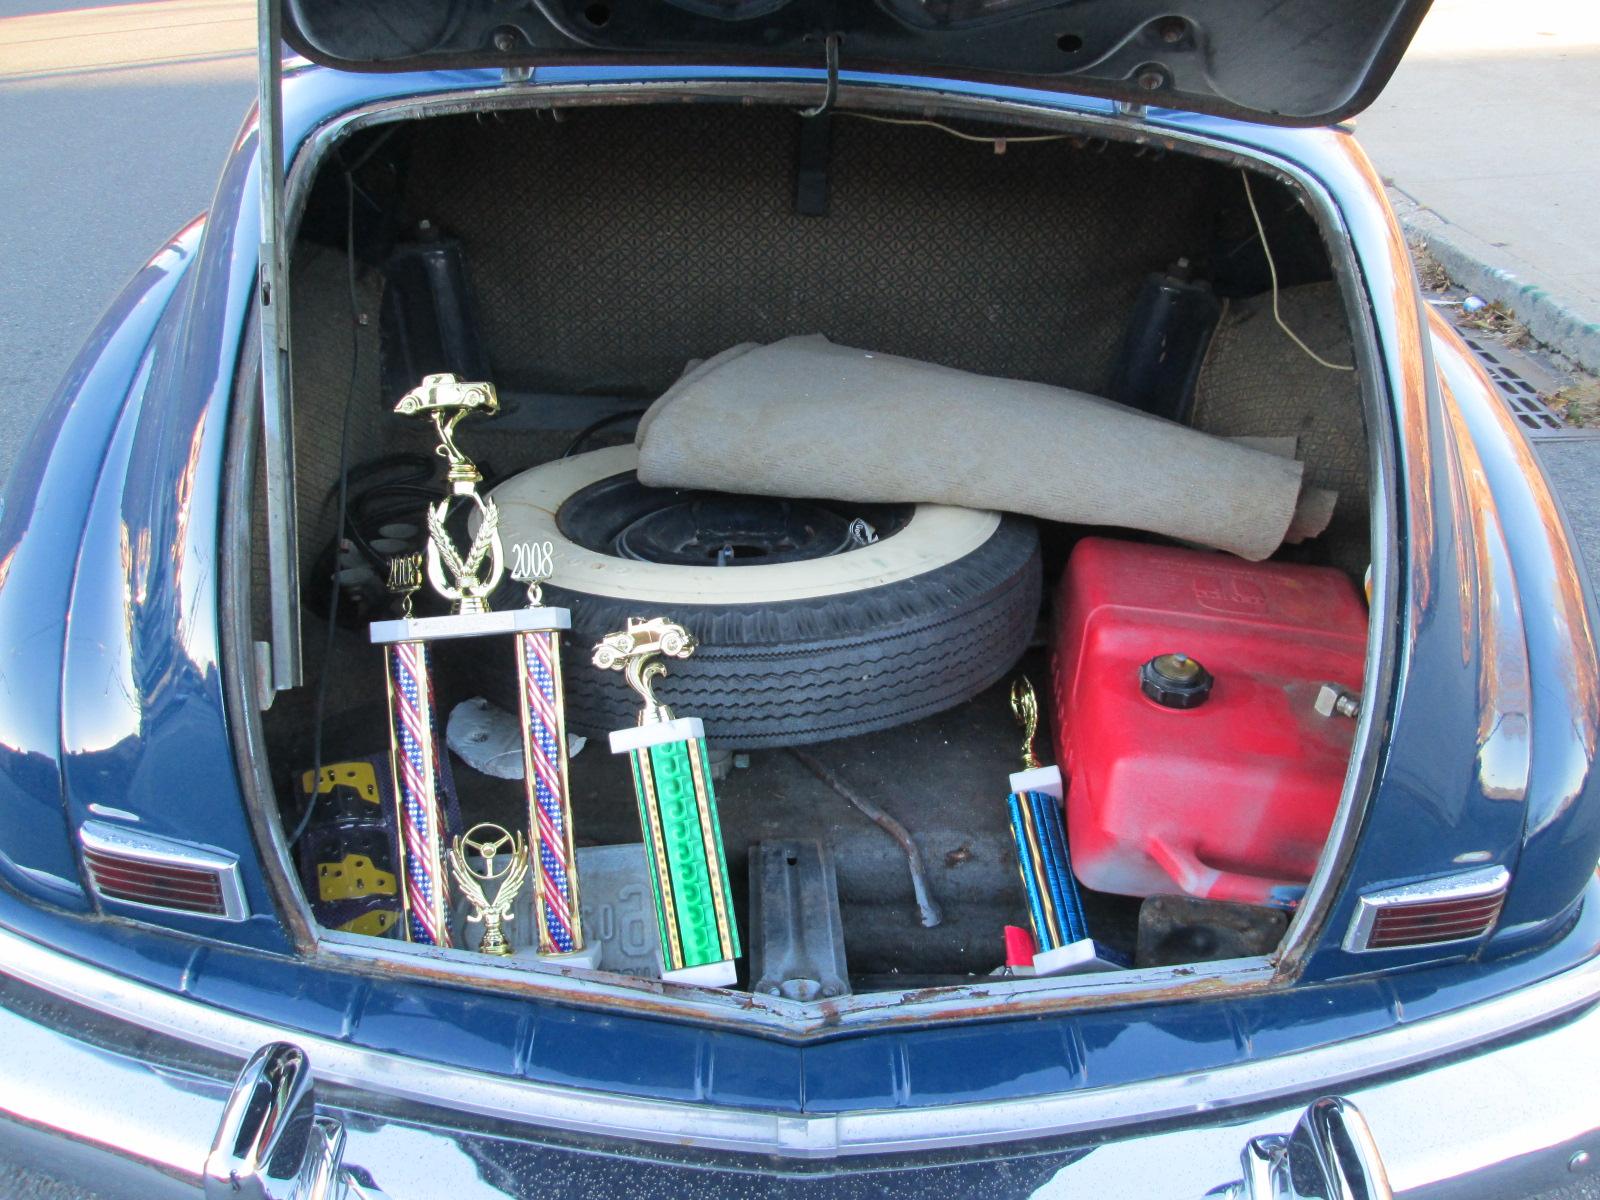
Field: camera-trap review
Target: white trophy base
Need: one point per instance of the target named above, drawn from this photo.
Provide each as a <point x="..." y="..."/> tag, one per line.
<point x="457" y="625"/>
<point x="684" y="729"/>
<point x="1038" y="779"/>
<point x="718" y="974"/>
<point x="1075" y="958"/>
<point x="588" y="958"/>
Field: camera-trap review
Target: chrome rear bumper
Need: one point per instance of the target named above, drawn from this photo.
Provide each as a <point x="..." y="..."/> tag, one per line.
<point x="1491" y="1101"/>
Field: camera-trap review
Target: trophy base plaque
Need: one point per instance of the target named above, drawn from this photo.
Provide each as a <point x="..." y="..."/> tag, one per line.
<point x="588" y="958"/>
<point x="717" y="975"/>
<point x="1076" y="958"/>
<point x="460" y="625"/>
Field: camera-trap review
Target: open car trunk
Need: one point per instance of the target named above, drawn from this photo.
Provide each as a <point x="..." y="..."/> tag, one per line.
<point x="579" y="257"/>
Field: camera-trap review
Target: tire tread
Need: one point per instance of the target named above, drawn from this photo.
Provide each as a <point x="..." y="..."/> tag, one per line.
<point x="807" y="671"/>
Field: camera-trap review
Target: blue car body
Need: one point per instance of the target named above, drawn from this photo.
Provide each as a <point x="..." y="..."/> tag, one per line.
<point x="118" y="581"/>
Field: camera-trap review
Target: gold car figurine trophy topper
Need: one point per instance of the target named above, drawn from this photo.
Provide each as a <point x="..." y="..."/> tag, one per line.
<point x="677" y="810"/>
<point x="466" y="581"/>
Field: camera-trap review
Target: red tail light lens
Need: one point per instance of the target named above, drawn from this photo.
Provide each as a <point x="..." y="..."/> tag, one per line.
<point x="1457" y="908"/>
<point x="126" y="866"/>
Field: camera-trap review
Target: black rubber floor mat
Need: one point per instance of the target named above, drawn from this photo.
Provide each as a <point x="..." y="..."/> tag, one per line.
<point x="944" y="778"/>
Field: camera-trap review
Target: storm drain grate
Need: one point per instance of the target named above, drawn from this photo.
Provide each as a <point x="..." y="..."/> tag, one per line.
<point x="1522" y="397"/>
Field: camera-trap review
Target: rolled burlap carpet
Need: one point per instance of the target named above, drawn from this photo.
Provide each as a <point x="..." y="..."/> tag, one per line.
<point x="806" y="418"/>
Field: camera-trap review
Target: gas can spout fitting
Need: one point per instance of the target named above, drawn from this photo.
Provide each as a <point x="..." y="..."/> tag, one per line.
<point x="1333" y="700"/>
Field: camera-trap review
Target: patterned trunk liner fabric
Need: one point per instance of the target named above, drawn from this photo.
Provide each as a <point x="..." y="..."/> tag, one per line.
<point x="1257" y="383"/>
<point x="611" y="247"/>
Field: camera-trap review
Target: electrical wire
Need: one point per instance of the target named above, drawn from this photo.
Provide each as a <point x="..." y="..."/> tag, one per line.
<point x="928" y="910"/>
<point x="1272" y="271"/>
<point x="588" y="431"/>
<point x="319" y="707"/>
<point x="419" y="469"/>
<point x="991" y="139"/>
<point x="361" y="505"/>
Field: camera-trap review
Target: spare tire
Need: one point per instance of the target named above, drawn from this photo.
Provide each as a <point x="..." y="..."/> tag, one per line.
<point x="802" y="637"/>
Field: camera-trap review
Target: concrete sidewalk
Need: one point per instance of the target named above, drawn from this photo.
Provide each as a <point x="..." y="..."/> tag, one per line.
<point x="119" y="36"/>
<point x="1487" y="136"/>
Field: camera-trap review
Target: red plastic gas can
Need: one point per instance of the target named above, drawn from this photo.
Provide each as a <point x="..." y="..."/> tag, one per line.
<point x="1230" y="799"/>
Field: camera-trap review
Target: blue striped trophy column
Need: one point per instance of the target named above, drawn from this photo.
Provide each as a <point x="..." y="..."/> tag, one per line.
<point x="1062" y="944"/>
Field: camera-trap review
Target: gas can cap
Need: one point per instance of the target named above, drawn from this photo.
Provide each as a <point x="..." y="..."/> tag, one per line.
<point x="1175" y="681"/>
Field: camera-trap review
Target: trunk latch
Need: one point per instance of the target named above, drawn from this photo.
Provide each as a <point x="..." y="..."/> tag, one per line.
<point x="270" y="1143"/>
<point x="1330" y="1155"/>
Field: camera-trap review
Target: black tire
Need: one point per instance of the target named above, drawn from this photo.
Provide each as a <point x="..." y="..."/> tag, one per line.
<point x="831" y="667"/>
<point x="791" y="672"/>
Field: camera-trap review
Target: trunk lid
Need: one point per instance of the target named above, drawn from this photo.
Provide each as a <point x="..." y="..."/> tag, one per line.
<point x="1283" y="62"/>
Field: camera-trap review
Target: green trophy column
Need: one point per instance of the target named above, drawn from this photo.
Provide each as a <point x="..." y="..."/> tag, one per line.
<point x="677" y="813"/>
<point x="683" y="846"/>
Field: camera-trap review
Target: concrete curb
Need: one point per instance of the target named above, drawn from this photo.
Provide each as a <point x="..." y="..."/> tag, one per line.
<point x="1475" y="265"/>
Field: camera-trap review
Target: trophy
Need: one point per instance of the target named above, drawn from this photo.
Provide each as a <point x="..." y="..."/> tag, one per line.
<point x="466" y="581"/>
<point x="486" y="842"/>
<point x="677" y="810"/>
<point x="1055" y="910"/>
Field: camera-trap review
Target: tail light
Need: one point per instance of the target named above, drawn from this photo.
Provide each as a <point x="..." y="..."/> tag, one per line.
<point x="1457" y="908"/>
<point x="140" y="869"/>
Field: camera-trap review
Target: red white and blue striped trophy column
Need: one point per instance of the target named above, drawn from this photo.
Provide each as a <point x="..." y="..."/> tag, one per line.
<point x="545" y="778"/>
<point x="413" y="743"/>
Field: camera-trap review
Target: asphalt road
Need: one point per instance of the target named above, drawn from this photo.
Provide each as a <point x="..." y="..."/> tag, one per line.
<point x="114" y="123"/>
<point x="99" y="163"/>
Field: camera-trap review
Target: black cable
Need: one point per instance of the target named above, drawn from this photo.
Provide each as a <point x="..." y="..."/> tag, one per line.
<point x="320" y="707"/>
<point x="588" y="431"/>
<point x="420" y="469"/>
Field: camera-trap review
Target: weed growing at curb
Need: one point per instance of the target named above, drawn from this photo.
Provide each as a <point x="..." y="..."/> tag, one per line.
<point x="1578" y="403"/>
<point x="1432" y="276"/>
<point x="1496" y="319"/>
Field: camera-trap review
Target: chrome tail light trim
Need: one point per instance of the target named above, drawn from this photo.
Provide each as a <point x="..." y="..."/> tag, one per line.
<point x="143" y="870"/>
<point x="1455" y="908"/>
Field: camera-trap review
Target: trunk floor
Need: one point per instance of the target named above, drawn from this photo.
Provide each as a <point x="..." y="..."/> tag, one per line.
<point x="943" y="778"/>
